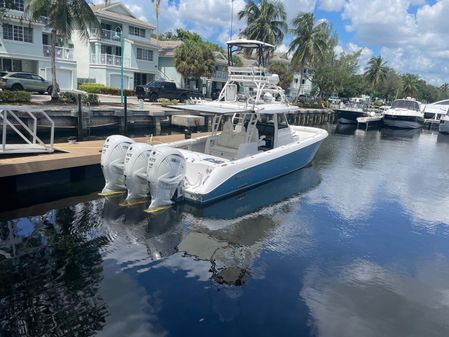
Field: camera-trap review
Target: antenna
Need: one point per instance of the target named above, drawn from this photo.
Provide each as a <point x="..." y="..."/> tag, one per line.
<point x="232" y="17"/>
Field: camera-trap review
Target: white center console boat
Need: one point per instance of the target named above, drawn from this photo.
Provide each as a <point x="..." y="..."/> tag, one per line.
<point x="251" y="143"/>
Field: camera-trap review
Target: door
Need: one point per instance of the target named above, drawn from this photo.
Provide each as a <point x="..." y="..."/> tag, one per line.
<point x="170" y="90"/>
<point x="114" y="81"/>
<point x="63" y="78"/>
<point x="39" y="83"/>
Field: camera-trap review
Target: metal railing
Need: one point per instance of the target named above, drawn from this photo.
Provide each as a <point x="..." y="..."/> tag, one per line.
<point x="109" y="59"/>
<point x="31" y="131"/>
<point x="61" y="52"/>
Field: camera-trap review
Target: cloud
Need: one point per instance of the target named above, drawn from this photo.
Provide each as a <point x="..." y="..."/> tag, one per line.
<point x="411" y="35"/>
<point x="331" y="5"/>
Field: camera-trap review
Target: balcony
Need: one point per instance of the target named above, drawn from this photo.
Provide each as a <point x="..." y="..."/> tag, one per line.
<point x="61" y="52"/>
<point x="109" y="59"/>
<point x="106" y="35"/>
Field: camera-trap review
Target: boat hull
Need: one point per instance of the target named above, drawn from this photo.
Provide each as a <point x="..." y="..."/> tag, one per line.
<point x="349" y="117"/>
<point x="258" y="174"/>
<point x="444" y="126"/>
<point x="403" y="122"/>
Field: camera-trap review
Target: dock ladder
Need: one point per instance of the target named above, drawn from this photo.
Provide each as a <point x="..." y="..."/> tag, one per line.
<point x="23" y="121"/>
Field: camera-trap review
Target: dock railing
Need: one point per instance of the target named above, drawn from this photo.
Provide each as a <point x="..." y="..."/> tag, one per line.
<point x="13" y="117"/>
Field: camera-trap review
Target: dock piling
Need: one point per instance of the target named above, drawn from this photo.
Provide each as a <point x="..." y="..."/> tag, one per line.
<point x="80" y="119"/>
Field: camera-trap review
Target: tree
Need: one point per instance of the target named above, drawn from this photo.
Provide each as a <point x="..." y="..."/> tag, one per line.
<point x="157" y="8"/>
<point x="265" y="21"/>
<point x="444" y="91"/>
<point x="64" y="17"/>
<point x="311" y="40"/>
<point x="376" y="71"/>
<point x="410" y="85"/>
<point x="194" y="59"/>
<point x="284" y="72"/>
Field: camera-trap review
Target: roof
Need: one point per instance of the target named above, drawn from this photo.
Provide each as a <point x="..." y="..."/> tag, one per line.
<point x="249" y="43"/>
<point x="118" y="12"/>
<point x="168" y="47"/>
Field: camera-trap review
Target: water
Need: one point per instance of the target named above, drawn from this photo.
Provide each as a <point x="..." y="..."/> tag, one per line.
<point x="354" y="245"/>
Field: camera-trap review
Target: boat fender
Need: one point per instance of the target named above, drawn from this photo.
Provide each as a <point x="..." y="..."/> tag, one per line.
<point x="135" y="172"/>
<point x="112" y="163"/>
<point x="166" y="173"/>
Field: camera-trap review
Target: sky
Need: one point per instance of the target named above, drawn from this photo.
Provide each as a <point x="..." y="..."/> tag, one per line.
<point x="411" y="35"/>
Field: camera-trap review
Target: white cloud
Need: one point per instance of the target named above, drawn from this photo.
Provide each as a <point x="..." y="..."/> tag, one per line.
<point x="332" y="5"/>
<point x="411" y="39"/>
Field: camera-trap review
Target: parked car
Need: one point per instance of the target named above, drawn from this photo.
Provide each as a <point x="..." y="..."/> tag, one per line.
<point x="164" y="89"/>
<point x="25" y="81"/>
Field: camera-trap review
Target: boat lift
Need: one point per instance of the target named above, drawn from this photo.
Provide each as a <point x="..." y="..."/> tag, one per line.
<point x="23" y="122"/>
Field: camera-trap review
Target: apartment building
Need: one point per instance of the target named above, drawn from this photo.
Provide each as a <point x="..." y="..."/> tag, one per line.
<point x="99" y="59"/>
<point x="25" y="46"/>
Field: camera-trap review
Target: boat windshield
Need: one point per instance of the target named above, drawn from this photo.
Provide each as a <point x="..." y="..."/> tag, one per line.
<point x="405" y="104"/>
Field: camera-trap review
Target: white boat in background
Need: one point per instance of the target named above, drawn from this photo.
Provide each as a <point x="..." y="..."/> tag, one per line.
<point x="444" y="124"/>
<point x="251" y="143"/>
<point x="436" y="110"/>
<point x="404" y="113"/>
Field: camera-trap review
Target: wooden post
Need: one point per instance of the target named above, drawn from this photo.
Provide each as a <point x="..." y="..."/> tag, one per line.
<point x="125" y="115"/>
<point x="80" y="120"/>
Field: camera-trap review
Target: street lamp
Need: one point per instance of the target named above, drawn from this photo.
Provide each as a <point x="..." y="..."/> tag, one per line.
<point x="119" y="35"/>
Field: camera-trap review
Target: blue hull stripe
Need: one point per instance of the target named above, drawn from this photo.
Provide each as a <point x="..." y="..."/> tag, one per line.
<point x="262" y="173"/>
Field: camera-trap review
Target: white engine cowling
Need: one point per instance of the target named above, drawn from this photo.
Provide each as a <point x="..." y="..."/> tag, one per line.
<point x="166" y="171"/>
<point x="113" y="162"/>
<point x="136" y="163"/>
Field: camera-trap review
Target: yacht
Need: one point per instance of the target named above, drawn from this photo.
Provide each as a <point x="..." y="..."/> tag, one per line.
<point x="404" y="113"/>
<point x="444" y="124"/>
<point x="355" y="108"/>
<point x="436" y="110"/>
<point x="251" y="143"/>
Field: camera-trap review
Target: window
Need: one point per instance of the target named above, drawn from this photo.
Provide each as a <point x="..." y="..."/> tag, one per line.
<point x="303" y="81"/>
<point x="282" y="121"/>
<point x="144" y="54"/>
<point x="296" y="80"/>
<point x="17" y="33"/>
<point x="13" y="4"/>
<point x="136" y="31"/>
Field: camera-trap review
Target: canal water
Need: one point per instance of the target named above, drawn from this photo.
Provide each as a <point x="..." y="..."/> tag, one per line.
<point x="357" y="245"/>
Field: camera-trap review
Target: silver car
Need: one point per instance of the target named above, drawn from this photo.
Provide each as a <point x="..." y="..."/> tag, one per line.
<point x="25" y="81"/>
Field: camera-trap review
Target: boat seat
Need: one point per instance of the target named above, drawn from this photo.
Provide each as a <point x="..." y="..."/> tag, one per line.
<point x="228" y="142"/>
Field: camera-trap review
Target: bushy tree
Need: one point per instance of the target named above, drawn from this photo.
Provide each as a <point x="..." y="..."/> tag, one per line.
<point x="194" y="59"/>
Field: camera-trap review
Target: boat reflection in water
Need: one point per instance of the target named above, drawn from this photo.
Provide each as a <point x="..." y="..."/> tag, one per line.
<point x="230" y="233"/>
<point x="394" y="133"/>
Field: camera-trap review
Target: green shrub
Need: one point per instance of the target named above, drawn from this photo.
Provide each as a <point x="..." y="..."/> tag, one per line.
<point x="96" y="88"/>
<point x="8" y="96"/>
<point x="72" y="98"/>
<point x="93" y="88"/>
<point x="91" y="99"/>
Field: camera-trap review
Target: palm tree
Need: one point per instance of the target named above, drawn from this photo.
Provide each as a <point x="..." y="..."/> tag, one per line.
<point x="410" y="85"/>
<point x="194" y="59"/>
<point x="157" y="8"/>
<point x="310" y="42"/>
<point x="266" y="21"/>
<point x="64" y="17"/>
<point x="376" y="71"/>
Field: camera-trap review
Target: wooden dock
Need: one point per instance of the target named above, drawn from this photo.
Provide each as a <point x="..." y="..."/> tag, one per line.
<point x="69" y="155"/>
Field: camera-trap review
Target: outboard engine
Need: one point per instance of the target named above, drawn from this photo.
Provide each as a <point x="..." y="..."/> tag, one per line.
<point x="113" y="162"/>
<point x="136" y="163"/>
<point x="166" y="171"/>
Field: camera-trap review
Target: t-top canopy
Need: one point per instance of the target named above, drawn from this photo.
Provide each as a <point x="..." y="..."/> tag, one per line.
<point x="249" y="43"/>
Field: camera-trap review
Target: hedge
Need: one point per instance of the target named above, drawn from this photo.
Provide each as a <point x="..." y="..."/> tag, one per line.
<point x="72" y="97"/>
<point x="15" y="96"/>
<point x="96" y="88"/>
